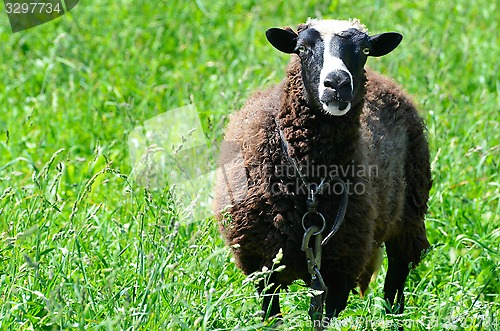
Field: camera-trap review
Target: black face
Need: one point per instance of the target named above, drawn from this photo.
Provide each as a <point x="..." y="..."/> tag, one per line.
<point x="333" y="59"/>
<point x="332" y="67"/>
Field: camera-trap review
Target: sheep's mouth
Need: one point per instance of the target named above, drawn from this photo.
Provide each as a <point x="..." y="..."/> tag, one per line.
<point x="336" y="103"/>
<point x="336" y="108"/>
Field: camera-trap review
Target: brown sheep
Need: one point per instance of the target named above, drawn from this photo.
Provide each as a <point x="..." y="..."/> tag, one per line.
<point x="329" y="113"/>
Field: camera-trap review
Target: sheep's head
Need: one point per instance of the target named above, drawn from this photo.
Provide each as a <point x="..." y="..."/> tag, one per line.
<point x="333" y="54"/>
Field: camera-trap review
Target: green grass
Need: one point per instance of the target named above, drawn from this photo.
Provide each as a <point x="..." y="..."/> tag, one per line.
<point x="84" y="247"/>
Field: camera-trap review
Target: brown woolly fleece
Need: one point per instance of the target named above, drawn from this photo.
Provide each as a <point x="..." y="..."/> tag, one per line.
<point x="260" y="211"/>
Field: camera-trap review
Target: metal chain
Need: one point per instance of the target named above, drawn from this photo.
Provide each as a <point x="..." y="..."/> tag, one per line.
<point x="313" y="258"/>
<point x="313" y="255"/>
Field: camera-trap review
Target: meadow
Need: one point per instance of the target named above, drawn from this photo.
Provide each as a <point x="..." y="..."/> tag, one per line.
<point x="85" y="246"/>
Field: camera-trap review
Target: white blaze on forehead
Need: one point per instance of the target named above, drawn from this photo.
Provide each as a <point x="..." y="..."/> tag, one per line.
<point x="330" y="64"/>
<point x="327" y="29"/>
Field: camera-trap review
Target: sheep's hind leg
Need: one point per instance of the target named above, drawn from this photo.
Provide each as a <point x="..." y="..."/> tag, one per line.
<point x="271" y="302"/>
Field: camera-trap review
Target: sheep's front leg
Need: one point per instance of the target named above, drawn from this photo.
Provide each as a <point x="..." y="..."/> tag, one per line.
<point x="336" y="298"/>
<point x="395" y="280"/>
<point x="271" y="302"/>
<point x="397" y="272"/>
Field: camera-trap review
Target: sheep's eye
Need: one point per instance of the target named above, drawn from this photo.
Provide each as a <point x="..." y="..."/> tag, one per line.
<point x="366" y="51"/>
<point x="301" y="49"/>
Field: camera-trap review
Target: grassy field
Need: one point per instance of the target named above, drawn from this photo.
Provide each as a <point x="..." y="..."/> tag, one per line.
<point x="84" y="246"/>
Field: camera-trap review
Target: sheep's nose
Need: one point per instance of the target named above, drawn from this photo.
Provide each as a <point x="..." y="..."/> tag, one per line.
<point x="337" y="80"/>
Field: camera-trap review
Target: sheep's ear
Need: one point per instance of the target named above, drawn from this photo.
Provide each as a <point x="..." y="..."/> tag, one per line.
<point x="384" y="43"/>
<point x="284" y="40"/>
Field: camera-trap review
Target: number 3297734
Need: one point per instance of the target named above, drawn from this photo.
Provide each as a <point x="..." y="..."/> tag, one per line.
<point x="32" y="8"/>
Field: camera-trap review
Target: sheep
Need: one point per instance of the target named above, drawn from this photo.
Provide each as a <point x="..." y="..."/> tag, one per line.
<point x="329" y="113"/>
